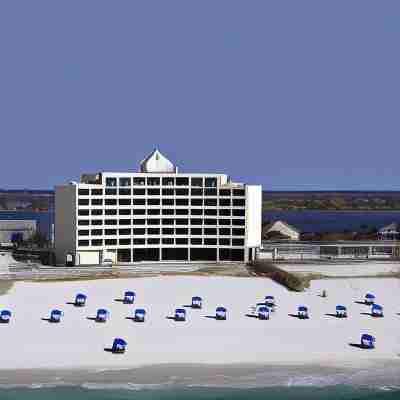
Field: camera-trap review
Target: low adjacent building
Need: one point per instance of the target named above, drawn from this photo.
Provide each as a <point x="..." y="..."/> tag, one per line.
<point x="13" y="231"/>
<point x="281" y="230"/>
<point x="389" y="232"/>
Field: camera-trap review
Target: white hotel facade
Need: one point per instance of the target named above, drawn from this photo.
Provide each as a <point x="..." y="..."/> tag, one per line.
<point x="156" y="215"/>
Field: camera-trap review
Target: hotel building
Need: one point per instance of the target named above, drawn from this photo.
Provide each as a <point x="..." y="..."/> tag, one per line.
<point x="156" y="215"/>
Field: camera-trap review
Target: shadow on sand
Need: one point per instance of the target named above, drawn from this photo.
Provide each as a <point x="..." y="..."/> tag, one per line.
<point x="252" y="316"/>
<point x="210" y="316"/>
<point x="363" y="303"/>
<point x="359" y="346"/>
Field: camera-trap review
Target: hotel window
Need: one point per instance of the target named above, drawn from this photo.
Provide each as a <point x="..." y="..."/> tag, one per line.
<point x="168" y="241"/>
<point x="168" y="231"/>
<point x="153" y="241"/>
<point x="167" y="221"/>
<point x="153" y="211"/>
<point x="110" y="242"/>
<point x="97" y="222"/>
<point x="196" y="221"/>
<point x="210" y="242"/>
<point x="181" y="211"/>
<point x="111" y="222"/>
<point x="224" y="242"/>
<point x="196" y="231"/>
<point x="97" y="192"/>
<point x="210" y="221"/>
<point x="138" y="241"/>
<point x="237" y="242"/>
<point x="111" y="192"/>
<point x="182" y="192"/>
<point x="210" y="231"/>
<point x="124" y="211"/>
<point x="139" y="192"/>
<point x="153" y="192"/>
<point x="210" y="192"/>
<point x="97" y="212"/>
<point x="237" y="232"/>
<point x="138" y="221"/>
<point x="224" y="222"/>
<point x="111" y="182"/>
<point x="153" y="222"/>
<point x="182" y="181"/>
<point x="138" y="231"/>
<point x="182" y="231"/>
<point x="97" y="242"/>
<point x="139" y="211"/>
<point x="83" y="222"/>
<point x="139" y="181"/>
<point x="153" y="181"/>
<point x="168" y="192"/>
<point x="197" y="182"/>
<point x="196" y="211"/>
<point x="211" y="182"/>
<point x="182" y="202"/>
<point x="153" y="202"/>
<point x="224" y="192"/>
<point x="83" y="202"/>
<point x="196" y="192"/>
<point x="168" y="181"/>
<point x="83" y="233"/>
<point x="124" y="242"/>
<point x="238" y="213"/>
<point x="225" y="213"/>
<point x="123" y="182"/>
<point x="167" y="211"/>
<point x="83" y="192"/>
<point x="182" y="222"/>
<point x="196" y="202"/>
<point x="210" y="212"/>
<point x="124" y="202"/>
<point x="124" y="192"/>
<point x="225" y="232"/>
<point x="181" y="241"/>
<point x="153" y="231"/>
<point x="238" y="222"/>
<point x="167" y="202"/>
<point x="196" y="241"/>
<point x="210" y="202"/>
<point x="97" y="202"/>
<point x="110" y="232"/>
<point x="111" y="211"/>
<point x="238" y="192"/>
<point x="83" y="243"/>
<point x="124" y="221"/>
<point x="139" y="202"/>
<point x="238" y="202"/>
<point x="224" y="202"/>
<point x="97" y="232"/>
<point x="83" y="212"/>
<point x="111" y="202"/>
<point x="124" y="232"/>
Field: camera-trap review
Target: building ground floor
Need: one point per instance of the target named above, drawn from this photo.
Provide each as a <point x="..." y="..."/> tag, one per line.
<point x="160" y="254"/>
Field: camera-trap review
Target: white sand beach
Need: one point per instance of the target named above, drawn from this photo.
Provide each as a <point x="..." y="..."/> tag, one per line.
<point x="28" y="342"/>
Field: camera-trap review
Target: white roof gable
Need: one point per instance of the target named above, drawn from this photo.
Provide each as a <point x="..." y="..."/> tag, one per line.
<point x="155" y="162"/>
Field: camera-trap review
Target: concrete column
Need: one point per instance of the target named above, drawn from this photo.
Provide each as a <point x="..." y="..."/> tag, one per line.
<point x="339" y="251"/>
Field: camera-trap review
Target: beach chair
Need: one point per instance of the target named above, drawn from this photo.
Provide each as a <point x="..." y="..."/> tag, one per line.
<point x="102" y="315"/>
<point x="220" y="313"/>
<point x="341" y="312"/>
<point x="80" y="300"/>
<point x="270" y="301"/>
<point x="302" y="312"/>
<point x="369" y="299"/>
<point x="140" y="314"/>
<point x="263" y="312"/>
<point x="377" y="310"/>
<point x="197" y="302"/>
<point x="5" y="316"/>
<point x="129" y="297"/>
<point x="119" y="346"/>
<point x="55" y="316"/>
<point x="367" y="341"/>
<point x="180" y="314"/>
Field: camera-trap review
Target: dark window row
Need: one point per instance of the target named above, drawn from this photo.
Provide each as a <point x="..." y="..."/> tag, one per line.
<point x="163" y="221"/>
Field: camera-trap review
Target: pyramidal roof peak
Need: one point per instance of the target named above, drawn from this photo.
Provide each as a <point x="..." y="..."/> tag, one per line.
<point x="157" y="163"/>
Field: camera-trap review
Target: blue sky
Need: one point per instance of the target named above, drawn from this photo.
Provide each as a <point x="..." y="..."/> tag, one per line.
<point x="294" y="95"/>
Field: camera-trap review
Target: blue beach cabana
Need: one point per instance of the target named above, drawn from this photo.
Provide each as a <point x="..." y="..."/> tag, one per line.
<point x="102" y="315"/>
<point x="5" y="316"/>
<point x="341" y="311"/>
<point x="270" y="300"/>
<point x="80" y="300"/>
<point x="367" y="341"/>
<point x="119" y="346"/>
<point x="180" y="314"/>
<point x="55" y="315"/>
<point x="140" y="314"/>
<point x="220" y="313"/>
<point x="302" y="312"/>
<point x="263" y="312"/>
<point x="369" y="298"/>
<point x="197" y="302"/>
<point x="376" y="310"/>
<point x="129" y="297"/>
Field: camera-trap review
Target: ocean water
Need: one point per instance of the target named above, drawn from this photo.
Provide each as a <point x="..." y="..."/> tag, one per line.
<point x="339" y="392"/>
